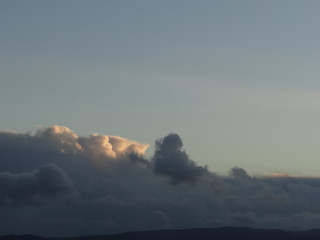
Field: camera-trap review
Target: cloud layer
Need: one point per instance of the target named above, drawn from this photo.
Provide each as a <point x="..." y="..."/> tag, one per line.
<point x="55" y="183"/>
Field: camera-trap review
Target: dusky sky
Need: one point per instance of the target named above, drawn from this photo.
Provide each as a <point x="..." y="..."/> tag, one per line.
<point x="237" y="80"/>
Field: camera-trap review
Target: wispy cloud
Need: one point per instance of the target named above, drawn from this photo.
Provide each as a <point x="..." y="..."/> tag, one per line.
<point x="210" y="95"/>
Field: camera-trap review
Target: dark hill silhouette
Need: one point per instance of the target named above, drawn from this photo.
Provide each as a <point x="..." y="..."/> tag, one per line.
<point x="224" y="233"/>
<point x="21" y="237"/>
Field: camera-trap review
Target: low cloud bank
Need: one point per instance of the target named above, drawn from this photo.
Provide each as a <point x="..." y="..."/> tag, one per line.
<point x="47" y="184"/>
<point x="55" y="183"/>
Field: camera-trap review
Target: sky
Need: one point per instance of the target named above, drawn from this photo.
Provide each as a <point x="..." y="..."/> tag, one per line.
<point x="237" y="80"/>
<point x="233" y="84"/>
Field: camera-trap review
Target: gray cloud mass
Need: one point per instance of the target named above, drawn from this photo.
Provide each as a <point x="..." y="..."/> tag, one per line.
<point x="169" y="159"/>
<point x="55" y="183"/>
<point x="46" y="184"/>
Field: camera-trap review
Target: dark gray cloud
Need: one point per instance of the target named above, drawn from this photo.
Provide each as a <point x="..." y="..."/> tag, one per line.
<point x="170" y="160"/>
<point x="46" y="184"/>
<point x="55" y="183"/>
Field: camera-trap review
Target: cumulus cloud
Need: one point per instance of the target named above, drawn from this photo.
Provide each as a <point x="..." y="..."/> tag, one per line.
<point x="55" y="143"/>
<point x="46" y="184"/>
<point x="65" y="184"/>
<point x="170" y="160"/>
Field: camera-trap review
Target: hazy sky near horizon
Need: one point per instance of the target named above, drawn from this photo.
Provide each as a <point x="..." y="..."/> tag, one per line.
<point x="237" y="80"/>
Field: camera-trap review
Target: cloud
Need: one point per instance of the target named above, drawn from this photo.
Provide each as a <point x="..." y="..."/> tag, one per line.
<point x="170" y="160"/>
<point x="56" y="183"/>
<point x="23" y="151"/>
<point x="46" y="184"/>
<point x="238" y="173"/>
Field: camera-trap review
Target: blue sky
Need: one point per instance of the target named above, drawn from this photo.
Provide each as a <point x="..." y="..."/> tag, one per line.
<point x="237" y="80"/>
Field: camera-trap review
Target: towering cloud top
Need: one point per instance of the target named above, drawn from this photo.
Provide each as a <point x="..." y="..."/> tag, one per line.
<point x="169" y="159"/>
